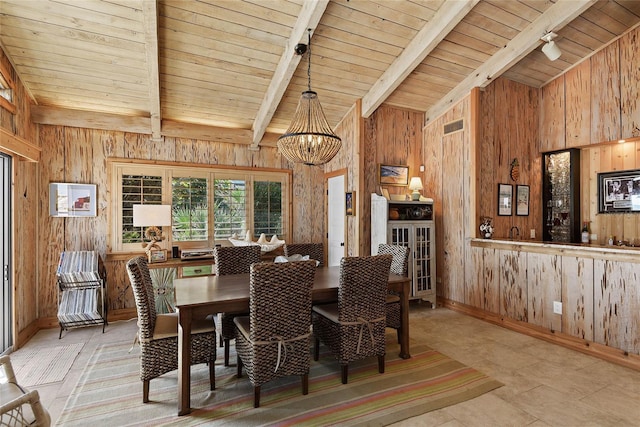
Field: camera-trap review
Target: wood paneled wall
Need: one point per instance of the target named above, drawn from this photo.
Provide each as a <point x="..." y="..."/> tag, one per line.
<point x="25" y="199"/>
<point x="591" y="106"/>
<point x="508" y="130"/>
<point x="448" y="174"/>
<point x="394" y="137"/>
<point x="80" y="155"/>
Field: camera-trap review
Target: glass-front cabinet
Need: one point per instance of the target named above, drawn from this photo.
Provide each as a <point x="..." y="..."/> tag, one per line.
<point x="561" y="196"/>
<point x="408" y="224"/>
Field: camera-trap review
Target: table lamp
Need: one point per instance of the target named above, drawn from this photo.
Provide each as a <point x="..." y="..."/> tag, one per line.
<point x="415" y="185"/>
<point x="152" y="217"/>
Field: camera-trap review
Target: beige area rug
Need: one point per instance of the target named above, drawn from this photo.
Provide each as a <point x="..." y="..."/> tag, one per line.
<point x="110" y="393"/>
<point x="44" y="366"/>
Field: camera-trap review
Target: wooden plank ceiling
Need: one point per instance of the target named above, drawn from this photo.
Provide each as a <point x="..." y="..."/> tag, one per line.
<point x="226" y="69"/>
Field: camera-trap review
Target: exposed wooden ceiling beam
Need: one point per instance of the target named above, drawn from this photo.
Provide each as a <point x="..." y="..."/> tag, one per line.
<point x="447" y="17"/>
<point x="312" y="11"/>
<point x="553" y="19"/>
<point x="87" y="119"/>
<point x="215" y="134"/>
<point x="150" y="13"/>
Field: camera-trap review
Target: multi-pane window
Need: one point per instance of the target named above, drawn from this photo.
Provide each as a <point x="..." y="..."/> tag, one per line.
<point x="230" y="214"/>
<point x="209" y="205"/>
<point x="190" y="209"/>
<point x="267" y="207"/>
<point x="138" y="190"/>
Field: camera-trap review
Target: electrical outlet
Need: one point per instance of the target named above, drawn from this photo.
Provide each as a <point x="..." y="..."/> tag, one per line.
<point x="532" y="233"/>
<point x="557" y="307"/>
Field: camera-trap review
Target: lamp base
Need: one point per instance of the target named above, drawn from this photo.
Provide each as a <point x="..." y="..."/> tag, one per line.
<point x="415" y="196"/>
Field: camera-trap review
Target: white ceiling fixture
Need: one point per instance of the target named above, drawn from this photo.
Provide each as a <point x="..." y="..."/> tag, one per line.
<point x="551" y="49"/>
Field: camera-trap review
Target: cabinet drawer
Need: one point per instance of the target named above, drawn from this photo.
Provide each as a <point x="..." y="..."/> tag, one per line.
<point x="198" y="270"/>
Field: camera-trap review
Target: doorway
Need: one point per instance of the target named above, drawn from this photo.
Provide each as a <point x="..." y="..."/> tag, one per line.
<point x="335" y="219"/>
<point x="6" y="329"/>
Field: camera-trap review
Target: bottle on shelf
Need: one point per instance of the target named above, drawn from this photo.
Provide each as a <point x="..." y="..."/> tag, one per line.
<point x="585" y="232"/>
<point x="610" y="240"/>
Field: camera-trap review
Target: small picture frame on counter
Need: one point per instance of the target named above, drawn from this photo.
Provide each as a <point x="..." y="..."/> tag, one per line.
<point x="157" y="255"/>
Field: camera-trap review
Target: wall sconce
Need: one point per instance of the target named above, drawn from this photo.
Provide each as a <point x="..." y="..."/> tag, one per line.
<point x="415" y="185"/>
<point x="550" y="49"/>
<point x="152" y="217"/>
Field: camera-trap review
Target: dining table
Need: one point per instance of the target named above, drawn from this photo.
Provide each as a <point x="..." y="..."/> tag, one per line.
<point x="202" y="296"/>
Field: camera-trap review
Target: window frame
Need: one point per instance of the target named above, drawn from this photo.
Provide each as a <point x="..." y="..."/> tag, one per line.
<point x="168" y="170"/>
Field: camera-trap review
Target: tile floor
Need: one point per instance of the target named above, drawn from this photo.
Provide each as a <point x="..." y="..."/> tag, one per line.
<point x="545" y="384"/>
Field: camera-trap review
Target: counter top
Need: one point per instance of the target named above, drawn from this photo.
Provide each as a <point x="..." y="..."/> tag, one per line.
<point x="619" y="253"/>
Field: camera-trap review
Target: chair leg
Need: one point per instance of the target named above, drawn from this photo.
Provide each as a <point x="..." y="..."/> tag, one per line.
<point x="226" y="351"/>
<point x="212" y="374"/>
<point x="256" y="396"/>
<point x="145" y="391"/>
<point x="316" y="349"/>
<point x="381" y="364"/>
<point x="305" y="384"/>
<point x="345" y="373"/>
<point x="239" y="363"/>
<point x="221" y="341"/>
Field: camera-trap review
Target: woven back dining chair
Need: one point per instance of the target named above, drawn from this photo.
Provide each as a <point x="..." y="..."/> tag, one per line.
<point x="314" y="250"/>
<point x="232" y="260"/>
<point x="19" y="406"/>
<point x="354" y="327"/>
<point x="273" y="341"/>
<point x="158" y="333"/>
<point x="399" y="266"/>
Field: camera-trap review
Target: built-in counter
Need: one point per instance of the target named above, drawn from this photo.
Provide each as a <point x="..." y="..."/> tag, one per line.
<point x="595" y="290"/>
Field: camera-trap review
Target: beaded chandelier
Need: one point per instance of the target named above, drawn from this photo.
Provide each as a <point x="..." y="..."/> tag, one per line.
<point x="309" y="138"/>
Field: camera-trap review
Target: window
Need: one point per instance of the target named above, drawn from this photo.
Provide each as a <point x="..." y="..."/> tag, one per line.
<point x="190" y="209"/>
<point x="209" y="204"/>
<point x="6" y="90"/>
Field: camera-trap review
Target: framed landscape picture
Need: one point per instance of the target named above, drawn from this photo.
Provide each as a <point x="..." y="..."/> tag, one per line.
<point x="393" y="175"/>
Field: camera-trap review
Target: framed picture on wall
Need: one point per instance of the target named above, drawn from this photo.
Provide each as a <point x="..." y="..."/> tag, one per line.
<point x="350" y="203"/>
<point x="505" y="199"/>
<point x="619" y="191"/>
<point x="393" y="175"/>
<point x="522" y="200"/>
<point x="72" y="200"/>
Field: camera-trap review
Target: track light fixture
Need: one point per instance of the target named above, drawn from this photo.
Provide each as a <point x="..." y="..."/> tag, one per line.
<point x="550" y="49"/>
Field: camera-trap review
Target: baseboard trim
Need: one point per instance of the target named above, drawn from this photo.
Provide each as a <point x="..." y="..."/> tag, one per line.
<point x="600" y="351"/>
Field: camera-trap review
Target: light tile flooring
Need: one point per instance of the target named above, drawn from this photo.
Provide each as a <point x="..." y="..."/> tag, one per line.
<point x="545" y="384"/>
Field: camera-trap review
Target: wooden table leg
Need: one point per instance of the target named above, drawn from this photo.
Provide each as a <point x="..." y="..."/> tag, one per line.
<point x="184" y="361"/>
<point x="404" y="316"/>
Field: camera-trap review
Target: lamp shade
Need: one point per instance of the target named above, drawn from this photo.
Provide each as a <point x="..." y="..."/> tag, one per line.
<point x="551" y="50"/>
<point x="151" y="215"/>
<point x="415" y="183"/>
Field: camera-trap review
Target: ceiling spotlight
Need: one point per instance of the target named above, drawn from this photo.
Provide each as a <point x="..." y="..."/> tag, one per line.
<point x="550" y="49"/>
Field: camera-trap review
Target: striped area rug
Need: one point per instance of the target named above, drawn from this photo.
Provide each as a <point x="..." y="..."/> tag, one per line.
<point x="110" y="393"/>
<point x="44" y="366"/>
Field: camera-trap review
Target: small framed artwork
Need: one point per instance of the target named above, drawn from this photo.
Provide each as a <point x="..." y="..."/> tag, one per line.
<point x="157" y="255"/>
<point x="393" y="175"/>
<point x="522" y="200"/>
<point x="350" y="203"/>
<point x="505" y="199"/>
<point x="72" y="200"/>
